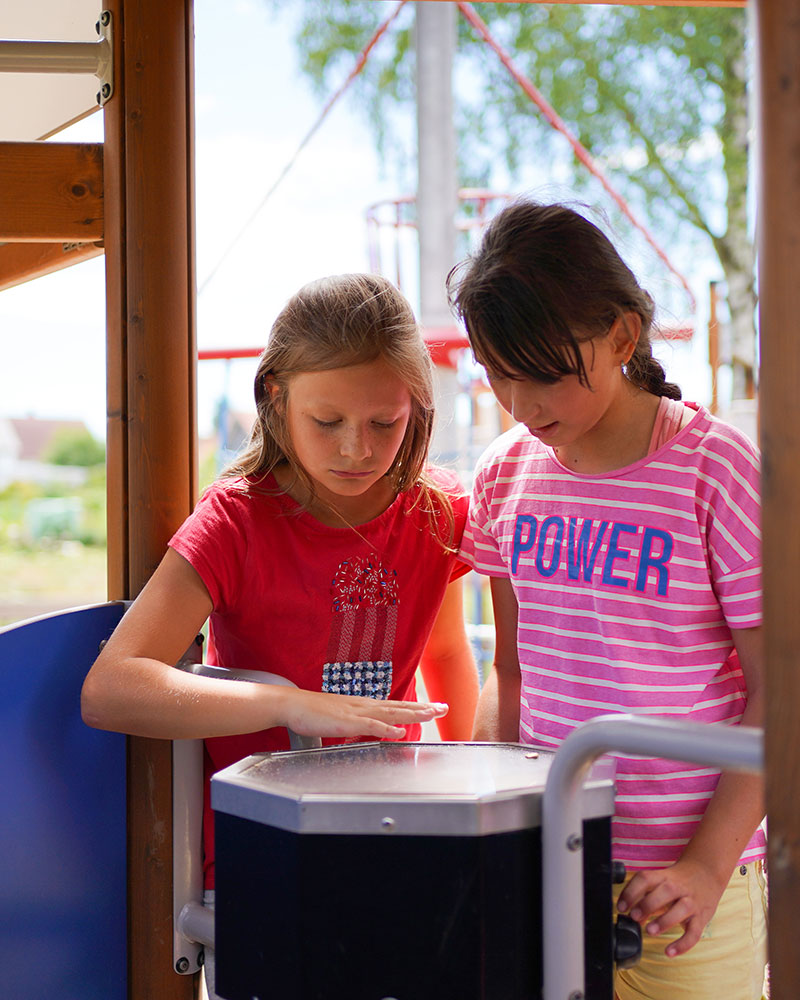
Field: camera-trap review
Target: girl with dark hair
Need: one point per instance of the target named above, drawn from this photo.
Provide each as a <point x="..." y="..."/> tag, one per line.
<point x="620" y="529"/>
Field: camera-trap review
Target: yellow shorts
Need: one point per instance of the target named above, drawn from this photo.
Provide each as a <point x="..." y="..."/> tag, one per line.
<point x="728" y="961"/>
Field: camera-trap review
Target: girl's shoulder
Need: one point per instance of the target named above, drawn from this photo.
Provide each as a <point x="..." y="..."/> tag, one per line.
<point x="240" y="499"/>
<point x="716" y="437"/>
<point x="446" y="480"/>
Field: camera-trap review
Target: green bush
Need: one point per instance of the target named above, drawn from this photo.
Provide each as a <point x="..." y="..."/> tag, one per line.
<point x="75" y="447"/>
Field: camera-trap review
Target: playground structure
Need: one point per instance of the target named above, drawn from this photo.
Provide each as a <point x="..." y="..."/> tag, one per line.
<point x="145" y="223"/>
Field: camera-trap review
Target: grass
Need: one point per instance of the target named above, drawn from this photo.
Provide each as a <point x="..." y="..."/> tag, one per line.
<point x="40" y="573"/>
<point x="37" y="581"/>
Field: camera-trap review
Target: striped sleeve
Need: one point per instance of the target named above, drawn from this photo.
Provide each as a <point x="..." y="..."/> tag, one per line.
<point x="728" y="492"/>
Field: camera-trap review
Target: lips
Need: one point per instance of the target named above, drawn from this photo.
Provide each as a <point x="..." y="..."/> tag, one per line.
<point x="344" y="474"/>
<point x="543" y="429"/>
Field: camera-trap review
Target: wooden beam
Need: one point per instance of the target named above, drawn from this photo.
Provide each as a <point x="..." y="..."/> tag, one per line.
<point x="778" y="55"/>
<point x="151" y="404"/>
<point x="51" y="192"/>
<point x="20" y="262"/>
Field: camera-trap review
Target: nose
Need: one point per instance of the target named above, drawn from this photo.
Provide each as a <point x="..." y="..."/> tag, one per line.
<point x="525" y="406"/>
<point x="355" y="443"/>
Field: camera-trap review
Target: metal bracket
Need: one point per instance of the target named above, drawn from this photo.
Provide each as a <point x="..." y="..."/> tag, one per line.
<point x="66" y="57"/>
<point x="105" y="61"/>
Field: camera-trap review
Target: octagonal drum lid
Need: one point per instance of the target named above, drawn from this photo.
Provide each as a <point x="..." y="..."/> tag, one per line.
<point x="400" y="789"/>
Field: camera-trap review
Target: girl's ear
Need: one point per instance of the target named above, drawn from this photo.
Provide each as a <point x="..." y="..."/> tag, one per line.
<point x="272" y="388"/>
<point x="623" y="335"/>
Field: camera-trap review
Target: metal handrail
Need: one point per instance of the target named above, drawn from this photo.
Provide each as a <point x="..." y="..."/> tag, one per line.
<point x="738" y="748"/>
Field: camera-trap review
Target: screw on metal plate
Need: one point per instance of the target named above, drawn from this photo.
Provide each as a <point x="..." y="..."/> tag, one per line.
<point x="182" y="965"/>
<point x="532" y="756"/>
<point x="574" y="842"/>
<point x="388" y="823"/>
<point x="576" y="995"/>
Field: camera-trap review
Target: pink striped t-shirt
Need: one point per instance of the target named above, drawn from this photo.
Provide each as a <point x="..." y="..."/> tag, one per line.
<point x="628" y="584"/>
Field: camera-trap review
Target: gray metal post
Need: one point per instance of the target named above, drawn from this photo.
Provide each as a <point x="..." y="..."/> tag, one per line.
<point x="437" y="191"/>
<point x="727" y="747"/>
<point x="437" y="185"/>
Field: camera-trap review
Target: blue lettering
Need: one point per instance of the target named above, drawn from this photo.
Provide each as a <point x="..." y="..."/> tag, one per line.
<point x="615" y="553"/>
<point x="520" y="546"/>
<point x="658" y="563"/>
<point x="558" y="522"/>
<point x="582" y="554"/>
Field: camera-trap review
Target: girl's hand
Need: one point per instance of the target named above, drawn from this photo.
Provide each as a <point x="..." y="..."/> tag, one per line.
<point x="317" y="713"/>
<point x="686" y="894"/>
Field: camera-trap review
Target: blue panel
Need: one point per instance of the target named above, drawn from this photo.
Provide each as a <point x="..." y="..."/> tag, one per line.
<point x="62" y="817"/>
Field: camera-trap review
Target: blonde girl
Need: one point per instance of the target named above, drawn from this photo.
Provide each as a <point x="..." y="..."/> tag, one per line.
<point x="326" y="553"/>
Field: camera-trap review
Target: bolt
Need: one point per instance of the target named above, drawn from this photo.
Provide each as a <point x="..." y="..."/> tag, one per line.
<point x="532" y="756"/>
<point x="574" y="842"/>
<point x="182" y="965"/>
<point x="388" y="823"/>
<point x="105" y="18"/>
<point x="576" y="995"/>
<point x="105" y="90"/>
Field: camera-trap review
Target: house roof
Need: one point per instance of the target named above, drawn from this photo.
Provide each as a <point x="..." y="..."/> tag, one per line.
<point x="35" y="435"/>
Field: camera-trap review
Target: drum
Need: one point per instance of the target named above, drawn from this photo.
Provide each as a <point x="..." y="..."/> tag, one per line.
<point x="397" y="871"/>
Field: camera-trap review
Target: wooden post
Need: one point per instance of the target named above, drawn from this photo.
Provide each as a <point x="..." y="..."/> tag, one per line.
<point x="151" y="403"/>
<point x="778" y="54"/>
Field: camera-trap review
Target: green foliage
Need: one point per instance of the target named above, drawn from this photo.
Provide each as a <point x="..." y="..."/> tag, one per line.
<point x="657" y="96"/>
<point x="75" y="447"/>
<point x="18" y="514"/>
<point x="653" y="93"/>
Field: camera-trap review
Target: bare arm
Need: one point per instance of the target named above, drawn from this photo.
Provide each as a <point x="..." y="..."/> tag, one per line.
<point x="687" y="893"/>
<point x="133" y="687"/>
<point x="448" y="667"/>
<point x="497" y="718"/>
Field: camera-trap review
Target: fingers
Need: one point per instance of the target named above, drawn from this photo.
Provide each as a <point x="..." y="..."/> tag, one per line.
<point x="683" y="895"/>
<point x="691" y="935"/>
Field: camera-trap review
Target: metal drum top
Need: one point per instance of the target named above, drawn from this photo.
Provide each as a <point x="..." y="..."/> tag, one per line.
<point x="400" y="789"/>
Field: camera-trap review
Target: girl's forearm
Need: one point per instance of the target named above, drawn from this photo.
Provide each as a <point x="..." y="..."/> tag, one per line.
<point x="734" y="811"/>
<point x="497" y="715"/>
<point x="453" y="680"/>
<point x="148" y="698"/>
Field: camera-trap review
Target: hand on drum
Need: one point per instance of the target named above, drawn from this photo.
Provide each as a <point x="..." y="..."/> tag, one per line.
<point x="315" y="713"/>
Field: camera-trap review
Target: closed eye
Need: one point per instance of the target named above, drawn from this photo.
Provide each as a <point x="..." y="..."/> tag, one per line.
<point x="325" y="423"/>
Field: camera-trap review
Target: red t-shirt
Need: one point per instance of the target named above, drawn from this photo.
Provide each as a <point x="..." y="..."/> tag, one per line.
<point x="332" y="609"/>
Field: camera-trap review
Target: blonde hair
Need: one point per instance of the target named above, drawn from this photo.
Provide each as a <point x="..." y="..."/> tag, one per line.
<point x="335" y="322"/>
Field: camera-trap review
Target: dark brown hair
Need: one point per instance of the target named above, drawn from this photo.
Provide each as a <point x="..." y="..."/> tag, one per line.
<point x="543" y="280"/>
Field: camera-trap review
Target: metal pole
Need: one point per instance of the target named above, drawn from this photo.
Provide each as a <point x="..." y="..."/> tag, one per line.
<point x="53" y="57"/>
<point x="437" y="193"/>
<point x="714" y="745"/>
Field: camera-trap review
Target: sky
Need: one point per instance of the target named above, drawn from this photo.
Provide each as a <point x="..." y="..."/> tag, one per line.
<point x="253" y="108"/>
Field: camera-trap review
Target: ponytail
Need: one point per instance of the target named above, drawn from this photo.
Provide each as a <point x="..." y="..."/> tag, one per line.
<point x="647" y="373"/>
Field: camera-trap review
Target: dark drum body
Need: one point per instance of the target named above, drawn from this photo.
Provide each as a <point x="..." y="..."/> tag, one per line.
<point x="396" y="872"/>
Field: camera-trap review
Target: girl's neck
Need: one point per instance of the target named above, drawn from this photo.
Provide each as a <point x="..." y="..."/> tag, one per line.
<point x="332" y="510"/>
<point x="620" y="438"/>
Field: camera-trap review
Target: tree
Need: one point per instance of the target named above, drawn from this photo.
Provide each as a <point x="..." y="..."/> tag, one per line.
<point x="75" y="447"/>
<point x="658" y="96"/>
